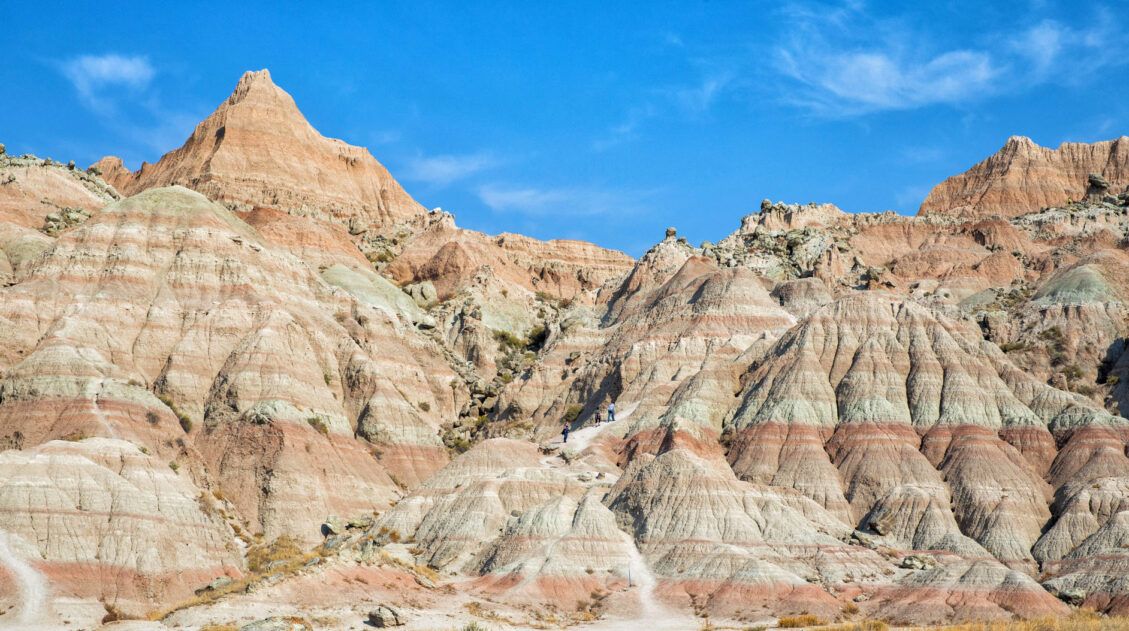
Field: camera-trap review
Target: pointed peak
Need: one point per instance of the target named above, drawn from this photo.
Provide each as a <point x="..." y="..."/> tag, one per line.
<point x="253" y="81"/>
<point x="1019" y="141"/>
<point x="256" y="76"/>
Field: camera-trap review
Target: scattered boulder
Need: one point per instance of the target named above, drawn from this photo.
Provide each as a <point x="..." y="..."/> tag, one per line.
<point x="1072" y="596"/>
<point x="423" y="293"/>
<point x="384" y="617"/>
<point x="918" y="562"/>
<point x="217" y="583"/>
<point x="333" y="526"/>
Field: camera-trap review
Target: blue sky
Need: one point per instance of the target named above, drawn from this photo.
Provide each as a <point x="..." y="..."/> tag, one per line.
<point x="592" y="120"/>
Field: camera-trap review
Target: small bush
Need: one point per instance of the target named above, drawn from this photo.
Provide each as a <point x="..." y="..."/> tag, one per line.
<point x="425" y="406"/>
<point x="113" y="614"/>
<point x="284" y="548"/>
<point x="174" y="466"/>
<point x="152" y="418"/>
<point x="318" y="423"/>
<point x="508" y="340"/>
<point x="185" y="422"/>
<point x="1012" y="347"/>
<point x="796" y="622"/>
<point x="573" y="413"/>
<point x="537" y="337"/>
<point x="1112" y="380"/>
<point x="74" y="436"/>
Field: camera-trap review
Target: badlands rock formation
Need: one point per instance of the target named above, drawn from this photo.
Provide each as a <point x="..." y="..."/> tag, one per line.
<point x="267" y="385"/>
<point x="1023" y="176"/>
<point x="257" y="149"/>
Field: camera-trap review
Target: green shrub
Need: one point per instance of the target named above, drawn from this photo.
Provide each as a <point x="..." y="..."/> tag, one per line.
<point x="572" y="413"/>
<point x="318" y="423"/>
<point x="509" y="340"/>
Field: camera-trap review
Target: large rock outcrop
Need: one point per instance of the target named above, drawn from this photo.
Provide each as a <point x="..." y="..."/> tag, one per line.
<point x="1023" y="177"/>
<point x="257" y="149"/>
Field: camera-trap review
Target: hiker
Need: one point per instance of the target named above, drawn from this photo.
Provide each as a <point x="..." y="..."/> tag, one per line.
<point x="598" y="419"/>
<point x="611" y="412"/>
<point x="565" y="432"/>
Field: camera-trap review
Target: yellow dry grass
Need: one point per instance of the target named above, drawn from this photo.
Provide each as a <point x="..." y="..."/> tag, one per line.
<point x="1082" y="620"/>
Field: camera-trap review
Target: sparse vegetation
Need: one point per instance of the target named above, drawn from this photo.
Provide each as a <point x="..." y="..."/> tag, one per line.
<point x="1080" y="620"/>
<point x="74" y="436"/>
<point x="282" y="551"/>
<point x="507" y="340"/>
<point x="865" y="625"/>
<point x="318" y="423"/>
<point x="1013" y="347"/>
<point x="113" y="614"/>
<point x="796" y="622"/>
<point x="174" y="466"/>
<point x="183" y="418"/>
<point x="572" y="413"/>
<point x="1055" y="342"/>
<point x="152" y="418"/>
<point x="425" y="406"/>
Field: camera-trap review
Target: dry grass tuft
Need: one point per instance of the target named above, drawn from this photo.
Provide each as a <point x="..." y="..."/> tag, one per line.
<point x="1081" y="620"/>
<point x="797" y="622"/>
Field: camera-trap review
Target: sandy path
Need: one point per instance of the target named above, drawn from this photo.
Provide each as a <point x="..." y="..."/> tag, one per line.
<point x="32" y="610"/>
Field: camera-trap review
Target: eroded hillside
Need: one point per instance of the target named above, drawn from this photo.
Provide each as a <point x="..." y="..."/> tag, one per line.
<point x="257" y="379"/>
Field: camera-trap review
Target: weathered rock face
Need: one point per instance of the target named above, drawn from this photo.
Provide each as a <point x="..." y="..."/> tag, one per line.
<point x="450" y="257"/>
<point x="529" y="527"/>
<point x="1024" y="177"/>
<point x="167" y="321"/>
<point x="257" y="149"/>
<point x="101" y="520"/>
<point x="43" y="194"/>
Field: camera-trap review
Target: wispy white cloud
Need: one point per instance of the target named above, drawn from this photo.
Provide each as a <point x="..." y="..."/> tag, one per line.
<point x="442" y="170"/>
<point x="699" y="98"/>
<point x="681" y="100"/>
<point x="121" y="90"/>
<point x="846" y="62"/>
<point x="561" y="202"/>
<point x="91" y="74"/>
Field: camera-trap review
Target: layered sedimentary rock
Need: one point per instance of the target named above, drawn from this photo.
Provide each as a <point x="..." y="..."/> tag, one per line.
<point x="1024" y="177"/>
<point x="449" y="257"/>
<point x="32" y="190"/>
<point x="167" y="321"/>
<point x="531" y="530"/>
<point x="257" y="149"/>
<point x="102" y="520"/>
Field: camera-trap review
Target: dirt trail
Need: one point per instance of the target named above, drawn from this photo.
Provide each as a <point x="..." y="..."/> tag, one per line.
<point x="32" y="610"/>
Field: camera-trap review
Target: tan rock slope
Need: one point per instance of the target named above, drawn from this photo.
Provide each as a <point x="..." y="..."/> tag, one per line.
<point x="1024" y="177"/>
<point x="257" y="149"/>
